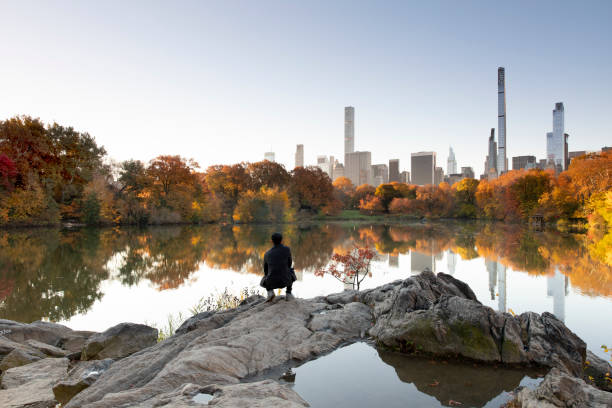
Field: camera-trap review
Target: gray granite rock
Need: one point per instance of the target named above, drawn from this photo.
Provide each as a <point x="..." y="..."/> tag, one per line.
<point x="45" y="332"/>
<point x="119" y="341"/>
<point x="560" y="389"/>
<point x="30" y="385"/>
<point x="18" y="357"/>
<point x="599" y="370"/>
<point x="81" y="376"/>
<point x="47" y="349"/>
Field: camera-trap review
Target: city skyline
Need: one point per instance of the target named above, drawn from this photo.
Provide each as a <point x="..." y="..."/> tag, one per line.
<point x="153" y="79"/>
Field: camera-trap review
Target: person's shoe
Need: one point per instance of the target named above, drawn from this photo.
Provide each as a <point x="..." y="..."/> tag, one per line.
<point x="289" y="297"/>
<point x="271" y="296"/>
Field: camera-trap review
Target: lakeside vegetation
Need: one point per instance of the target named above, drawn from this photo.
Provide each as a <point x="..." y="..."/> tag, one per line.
<point x="51" y="174"/>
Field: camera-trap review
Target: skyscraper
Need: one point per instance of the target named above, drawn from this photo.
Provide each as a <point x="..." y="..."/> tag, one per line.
<point x="556" y="141"/>
<point x="349" y="131"/>
<point x="491" y="162"/>
<point x="325" y="164"/>
<point x="358" y="168"/>
<point x="394" y="173"/>
<point x="451" y="163"/>
<point x="422" y="167"/>
<point x="380" y="174"/>
<point x="523" y="162"/>
<point x="269" y="156"/>
<point x="438" y="175"/>
<point x="299" y="156"/>
<point x="502" y="161"/>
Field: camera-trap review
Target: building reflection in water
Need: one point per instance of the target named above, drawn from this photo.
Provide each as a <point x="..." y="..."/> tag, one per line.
<point x="419" y="261"/>
<point x="557" y="288"/>
<point x="393" y="261"/>
<point x="451" y="262"/>
<point x="497" y="279"/>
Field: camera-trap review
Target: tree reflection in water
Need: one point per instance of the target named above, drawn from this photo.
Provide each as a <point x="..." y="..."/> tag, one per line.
<point x="54" y="274"/>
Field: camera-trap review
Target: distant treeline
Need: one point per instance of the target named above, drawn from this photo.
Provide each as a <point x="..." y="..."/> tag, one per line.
<point x="51" y="173"/>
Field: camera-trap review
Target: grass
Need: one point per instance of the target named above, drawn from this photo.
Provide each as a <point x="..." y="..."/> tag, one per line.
<point x="215" y="302"/>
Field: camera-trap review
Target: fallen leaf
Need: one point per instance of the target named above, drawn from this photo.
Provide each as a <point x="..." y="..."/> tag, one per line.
<point x="434" y="384"/>
<point x="454" y="403"/>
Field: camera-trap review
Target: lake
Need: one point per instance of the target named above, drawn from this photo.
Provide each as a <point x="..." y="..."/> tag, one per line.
<point x="92" y="279"/>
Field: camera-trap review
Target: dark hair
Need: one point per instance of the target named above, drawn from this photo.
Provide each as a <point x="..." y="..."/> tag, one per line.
<point x="277" y="238"/>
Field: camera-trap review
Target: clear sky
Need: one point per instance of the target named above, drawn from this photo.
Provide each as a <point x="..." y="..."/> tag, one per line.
<point x="225" y="81"/>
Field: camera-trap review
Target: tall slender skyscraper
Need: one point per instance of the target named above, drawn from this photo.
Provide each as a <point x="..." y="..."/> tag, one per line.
<point x="556" y="141"/>
<point x="394" y="173"/>
<point x="349" y="131"/>
<point x="451" y="163"/>
<point x="502" y="160"/>
<point x="299" y="156"/>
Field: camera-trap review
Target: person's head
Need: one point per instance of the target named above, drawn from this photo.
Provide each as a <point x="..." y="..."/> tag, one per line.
<point x="277" y="238"/>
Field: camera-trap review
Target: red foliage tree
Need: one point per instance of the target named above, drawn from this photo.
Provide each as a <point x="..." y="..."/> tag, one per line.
<point x="8" y="170"/>
<point x="350" y="268"/>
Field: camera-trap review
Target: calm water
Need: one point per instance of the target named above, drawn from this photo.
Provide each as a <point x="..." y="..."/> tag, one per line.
<point x="93" y="279"/>
<point x="361" y="376"/>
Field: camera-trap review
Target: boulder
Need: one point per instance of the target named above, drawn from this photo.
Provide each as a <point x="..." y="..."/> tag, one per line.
<point x="560" y="389"/>
<point x="444" y="319"/>
<point x="81" y="376"/>
<point x="47" y="349"/>
<point x="598" y="371"/>
<point x="30" y="385"/>
<point x="119" y="341"/>
<point x="6" y="346"/>
<point x="18" y="357"/>
<point x="45" y="332"/>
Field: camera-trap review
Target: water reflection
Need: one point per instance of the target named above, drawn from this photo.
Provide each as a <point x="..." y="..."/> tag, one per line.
<point x="56" y="274"/>
<point x="372" y="376"/>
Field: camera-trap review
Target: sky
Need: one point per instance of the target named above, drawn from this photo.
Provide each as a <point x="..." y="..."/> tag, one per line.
<point x="225" y="81"/>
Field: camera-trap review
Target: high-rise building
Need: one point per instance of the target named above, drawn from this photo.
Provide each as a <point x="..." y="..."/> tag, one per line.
<point x="405" y="177"/>
<point x="467" y="172"/>
<point x="325" y="164"/>
<point x="349" y="131"/>
<point x="299" y="156"/>
<point x="523" y="162"/>
<point x="380" y="174"/>
<point x="451" y="163"/>
<point x="556" y="141"/>
<point x="491" y="161"/>
<point x="358" y="168"/>
<point x="502" y="161"/>
<point x="269" y="156"/>
<point x="338" y="170"/>
<point x="394" y="173"/>
<point x="422" y="166"/>
<point x="438" y="175"/>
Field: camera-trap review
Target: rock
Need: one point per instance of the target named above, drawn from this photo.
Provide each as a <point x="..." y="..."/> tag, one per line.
<point x="45" y="332"/>
<point x="261" y="394"/>
<point x="30" y="385"/>
<point x="47" y="349"/>
<point x="119" y="341"/>
<point x="259" y="337"/>
<point x="440" y="316"/>
<point x="81" y="376"/>
<point x="6" y="346"/>
<point x="599" y="369"/>
<point x="17" y="358"/>
<point x="560" y="389"/>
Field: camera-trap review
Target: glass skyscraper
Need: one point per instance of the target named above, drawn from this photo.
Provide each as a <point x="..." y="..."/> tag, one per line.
<point x="502" y="161"/>
<point x="556" y="150"/>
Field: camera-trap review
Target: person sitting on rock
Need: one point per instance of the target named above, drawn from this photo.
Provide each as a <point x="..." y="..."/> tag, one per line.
<point x="278" y="272"/>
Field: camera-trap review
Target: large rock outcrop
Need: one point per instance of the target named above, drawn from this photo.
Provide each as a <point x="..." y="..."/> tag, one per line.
<point x="439" y="315"/>
<point x="80" y="376"/>
<point x="49" y="333"/>
<point x="30" y="385"/>
<point x="225" y="350"/>
<point x="119" y="341"/>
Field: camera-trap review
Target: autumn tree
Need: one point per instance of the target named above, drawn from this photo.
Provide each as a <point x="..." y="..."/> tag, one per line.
<point x="311" y="188"/>
<point x="465" y="195"/>
<point x="268" y="174"/>
<point x="386" y="193"/>
<point x="362" y="192"/>
<point x="227" y="183"/>
<point x="344" y="191"/>
<point x="8" y="171"/>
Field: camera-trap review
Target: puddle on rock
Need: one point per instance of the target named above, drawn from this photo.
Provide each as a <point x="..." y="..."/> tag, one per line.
<point x="202" y="398"/>
<point x="359" y="375"/>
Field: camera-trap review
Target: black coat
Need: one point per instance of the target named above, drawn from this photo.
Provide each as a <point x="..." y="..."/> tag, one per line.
<point x="277" y="267"/>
